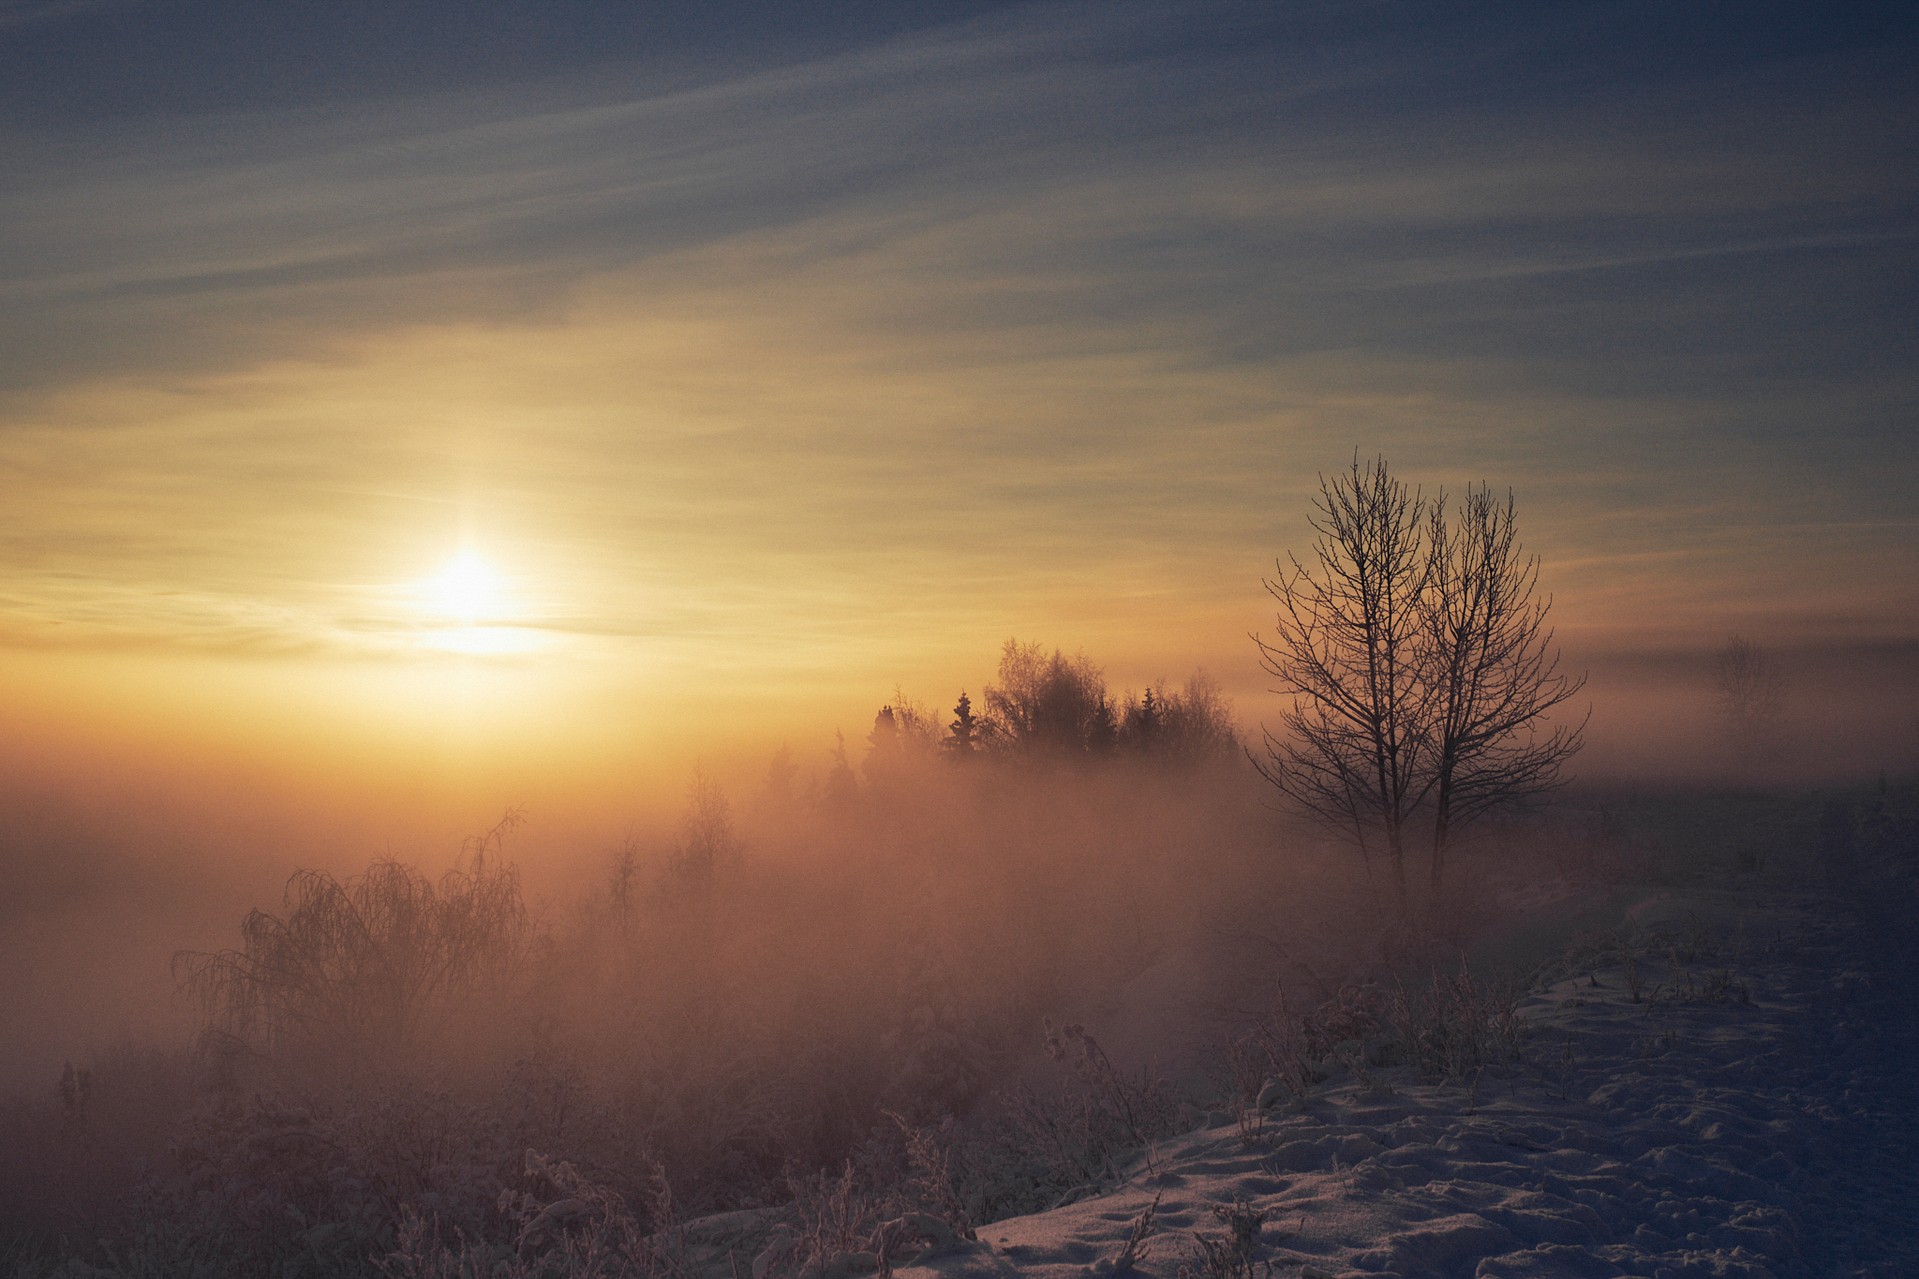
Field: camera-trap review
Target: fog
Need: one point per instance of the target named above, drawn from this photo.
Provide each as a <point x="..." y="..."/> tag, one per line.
<point x="1848" y="711"/>
<point x="122" y="847"/>
<point x="740" y="986"/>
<point x="740" y="964"/>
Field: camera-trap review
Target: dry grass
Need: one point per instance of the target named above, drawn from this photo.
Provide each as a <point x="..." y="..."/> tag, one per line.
<point x="1452" y="1025"/>
<point x="1234" y="1257"/>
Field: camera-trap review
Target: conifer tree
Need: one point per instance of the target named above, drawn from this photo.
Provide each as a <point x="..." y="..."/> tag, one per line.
<point x="963" y="734"/>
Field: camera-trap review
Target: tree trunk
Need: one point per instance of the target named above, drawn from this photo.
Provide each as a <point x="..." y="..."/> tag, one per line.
<point x="1442" y="831"/>
<point x="1396" y="853"/>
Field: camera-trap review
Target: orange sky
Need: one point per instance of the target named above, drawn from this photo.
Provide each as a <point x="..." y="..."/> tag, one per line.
<point x="767" y="391"/>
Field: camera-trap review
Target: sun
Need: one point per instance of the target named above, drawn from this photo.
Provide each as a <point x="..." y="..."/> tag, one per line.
<point x="470" y="607"/>
<point x="466" y="590"/>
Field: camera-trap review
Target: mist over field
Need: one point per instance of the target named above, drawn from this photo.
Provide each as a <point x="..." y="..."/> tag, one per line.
<point x="960" y="964"/>
<point x="117" y="858"/>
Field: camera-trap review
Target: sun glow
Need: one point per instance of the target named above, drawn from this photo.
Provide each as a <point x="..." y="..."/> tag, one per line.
<point x="467" y="608"/>
<point x="466" y="591"/>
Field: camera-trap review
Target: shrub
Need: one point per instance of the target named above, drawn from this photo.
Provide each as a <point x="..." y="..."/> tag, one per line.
<point x="359" y="972"/>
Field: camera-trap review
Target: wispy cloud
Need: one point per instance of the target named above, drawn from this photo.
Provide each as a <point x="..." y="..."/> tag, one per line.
<point x="896" y="343"/>
<point x="20" y="13"/>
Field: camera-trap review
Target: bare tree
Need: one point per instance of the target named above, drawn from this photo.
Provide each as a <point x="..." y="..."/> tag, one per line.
<point x="1346" y="649"/>
<point x="905" y="736"/>
<point x="1748" y="691"/>
<point x="1419" y="666"/>
<point x="709" y="845"/>
<point x="1489" y="670"/>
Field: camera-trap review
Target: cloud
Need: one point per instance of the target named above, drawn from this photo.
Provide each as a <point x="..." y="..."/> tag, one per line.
<point x="1052" y="315"/>
<point x="1236" y="185"/>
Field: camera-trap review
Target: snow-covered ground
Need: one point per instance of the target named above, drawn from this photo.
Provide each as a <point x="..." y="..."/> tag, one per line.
<point x="1724" y="1089"/>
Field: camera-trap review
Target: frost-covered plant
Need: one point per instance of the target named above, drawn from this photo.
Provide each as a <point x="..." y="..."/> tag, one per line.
<point x="559" y="1224"/>
<point x="929" y="1182"/>
<point x="1286" y="1052"/>
<point x="1456" y="1025"/>
<point x="1139" y="1233"/>
<point x="355" y="971"/>
<point x="1271" y="1053"/>
<point x="836" y="1217"/>
<point x="1035" y="1150"/>
<point x="863" y="1219"/>
<point x="1140" y="1108"/>
<point x="1233" y="1257"/>
<point x="1242" y="1221"/>
<point x="1724" y="986"/>
<point x="311" y="1186"/>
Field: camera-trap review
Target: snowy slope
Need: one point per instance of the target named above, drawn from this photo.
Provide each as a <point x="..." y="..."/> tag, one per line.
<point x="1748" y="1113"/>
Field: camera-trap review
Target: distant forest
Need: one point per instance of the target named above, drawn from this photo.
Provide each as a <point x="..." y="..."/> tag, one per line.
<point x="1055" y="705"/>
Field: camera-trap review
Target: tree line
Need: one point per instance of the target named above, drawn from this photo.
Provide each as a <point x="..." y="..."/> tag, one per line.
<point x="1051" y="706"/>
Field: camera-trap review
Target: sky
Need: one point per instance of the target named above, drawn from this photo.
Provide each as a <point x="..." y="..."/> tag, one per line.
<point x="747" y="362"/>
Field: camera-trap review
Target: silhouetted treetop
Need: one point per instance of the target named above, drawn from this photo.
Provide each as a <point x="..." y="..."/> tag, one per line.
<point x="1048" y="704"/>
<point x="964" y="735"/>
<point x="1193" y="723"/>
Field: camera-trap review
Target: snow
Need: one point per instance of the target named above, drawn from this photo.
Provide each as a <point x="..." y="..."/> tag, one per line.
<point x="1748" y="1114"/>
